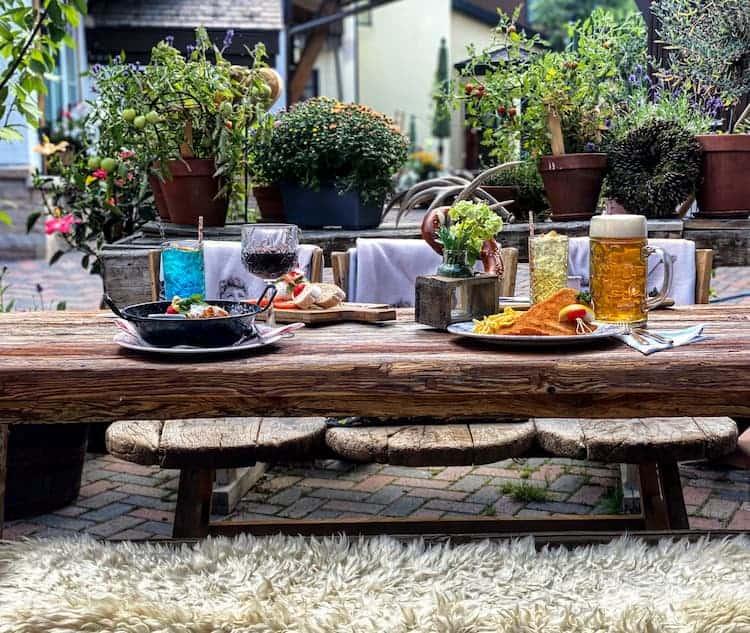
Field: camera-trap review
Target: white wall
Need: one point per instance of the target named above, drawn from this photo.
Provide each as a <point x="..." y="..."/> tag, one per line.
<point x="390" y="65"/>
<point x="398" y="60"/>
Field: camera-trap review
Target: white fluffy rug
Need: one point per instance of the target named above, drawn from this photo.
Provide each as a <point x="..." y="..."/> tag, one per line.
<point x="293" y="585"/>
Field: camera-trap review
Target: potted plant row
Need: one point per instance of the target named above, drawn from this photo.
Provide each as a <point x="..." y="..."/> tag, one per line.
<point x="333" y="162"/>
<point x="552" y="106"/>
<point x="568" y="109"/>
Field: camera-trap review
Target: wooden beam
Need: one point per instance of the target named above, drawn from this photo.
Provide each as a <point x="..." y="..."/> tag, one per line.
<point x="474" y="525"/>
<point x="314" y="45"/>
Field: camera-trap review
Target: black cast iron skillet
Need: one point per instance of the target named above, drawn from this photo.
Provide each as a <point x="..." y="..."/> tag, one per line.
<point x="166" y="331"/>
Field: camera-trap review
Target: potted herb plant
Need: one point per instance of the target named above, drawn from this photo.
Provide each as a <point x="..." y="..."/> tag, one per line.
<point x="469" y="225"/>
<point x="707" y="48"/>
<point x="333" y="161"/>
<point x="552" y="105"/>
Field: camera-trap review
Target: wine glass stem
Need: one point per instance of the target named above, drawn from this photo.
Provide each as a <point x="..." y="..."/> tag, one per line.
<point x="270" y="317"/>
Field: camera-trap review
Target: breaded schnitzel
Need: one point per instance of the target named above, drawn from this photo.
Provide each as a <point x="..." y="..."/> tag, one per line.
<point x="543" y="318"/>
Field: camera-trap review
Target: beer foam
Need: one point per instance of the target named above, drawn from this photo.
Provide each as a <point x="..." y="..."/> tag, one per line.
<point x="619" y="226"/>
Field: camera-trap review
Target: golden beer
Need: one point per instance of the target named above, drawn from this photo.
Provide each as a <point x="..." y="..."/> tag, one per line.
<point x="618" y="279"/>
<point x="619" y="269"/>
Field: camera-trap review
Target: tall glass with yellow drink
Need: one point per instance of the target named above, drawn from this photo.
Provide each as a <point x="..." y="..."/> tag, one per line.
<point x="619" y="269"/>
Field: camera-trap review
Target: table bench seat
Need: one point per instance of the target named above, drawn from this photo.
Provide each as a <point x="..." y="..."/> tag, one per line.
<point x="215" y="443"/>
<point x="199" y="447"/>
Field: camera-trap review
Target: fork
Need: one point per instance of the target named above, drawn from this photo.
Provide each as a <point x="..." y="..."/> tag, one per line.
<point x="642" y="335"/>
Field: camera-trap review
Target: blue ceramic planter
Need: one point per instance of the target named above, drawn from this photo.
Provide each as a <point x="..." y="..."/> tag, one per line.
<point x="326" y="208"/>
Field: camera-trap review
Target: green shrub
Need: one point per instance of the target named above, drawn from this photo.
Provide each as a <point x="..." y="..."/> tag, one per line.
<point x="325" y="142"/>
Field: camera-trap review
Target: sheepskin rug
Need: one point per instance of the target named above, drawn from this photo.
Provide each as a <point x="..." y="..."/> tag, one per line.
<point x="296" y="585"/>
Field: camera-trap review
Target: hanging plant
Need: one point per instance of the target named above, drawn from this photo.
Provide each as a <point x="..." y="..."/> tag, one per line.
<point x="653" y="169"/>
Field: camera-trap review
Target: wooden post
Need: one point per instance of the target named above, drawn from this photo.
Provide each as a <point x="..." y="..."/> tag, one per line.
<point x="555" y="130"/>
<point x="193" y="510"/>
<point x="4" y="433"/>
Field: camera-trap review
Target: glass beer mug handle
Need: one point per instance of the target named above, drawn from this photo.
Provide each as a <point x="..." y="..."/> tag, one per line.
<point x="656" y="301"/>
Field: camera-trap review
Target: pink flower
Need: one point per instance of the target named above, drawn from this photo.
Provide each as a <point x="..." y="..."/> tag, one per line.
<point x="119" y="182"/>
<point x="62" y="224"/>
<point x="99" y="173"/>
<point x="66" y="114"/>
<point x="126" y="153"/>
<point x="131" y="175"/>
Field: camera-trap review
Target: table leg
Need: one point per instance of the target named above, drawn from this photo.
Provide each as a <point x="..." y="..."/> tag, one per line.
<point x="193" y="510"/>
<point x="4" y="434"/>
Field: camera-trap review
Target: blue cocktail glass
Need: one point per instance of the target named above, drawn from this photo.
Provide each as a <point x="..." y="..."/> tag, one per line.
<point x="182" y="264"/>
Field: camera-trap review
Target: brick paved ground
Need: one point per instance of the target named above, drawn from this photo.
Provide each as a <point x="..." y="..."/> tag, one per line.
<point x="121" y="500"/>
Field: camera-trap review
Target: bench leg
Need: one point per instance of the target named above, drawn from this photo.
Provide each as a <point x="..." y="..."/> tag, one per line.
<point x="661" y="497"/>
<point x="4" y="432"/>
<point x="671" y="490"/>
<point x="193" y="510"/>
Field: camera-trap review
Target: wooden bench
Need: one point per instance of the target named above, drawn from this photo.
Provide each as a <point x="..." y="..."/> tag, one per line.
<point x="198" y="447"/>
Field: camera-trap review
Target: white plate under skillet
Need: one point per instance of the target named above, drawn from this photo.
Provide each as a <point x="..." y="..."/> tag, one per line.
<point x="129" y="341"/>
<point x="604" y="331"/>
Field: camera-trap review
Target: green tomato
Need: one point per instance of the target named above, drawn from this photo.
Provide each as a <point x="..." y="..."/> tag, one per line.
<point x="139" y="122"/>
<point x="94" y="162"/>
<point x="108" y="164"/>
<point x="226" y="108"/>
<point x="128" y="114"/>
<point x="152" y="117"/>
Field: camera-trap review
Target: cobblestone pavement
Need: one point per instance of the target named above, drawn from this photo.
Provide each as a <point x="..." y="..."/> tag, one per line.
<point x="120" y="500"/>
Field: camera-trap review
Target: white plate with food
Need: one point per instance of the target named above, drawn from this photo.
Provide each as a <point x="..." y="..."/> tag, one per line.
<point x="466" y="328"/>
<point x="562" y="319"/>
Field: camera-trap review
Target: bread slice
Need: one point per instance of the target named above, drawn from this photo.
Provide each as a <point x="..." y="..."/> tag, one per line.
<point x="330" y="295"/>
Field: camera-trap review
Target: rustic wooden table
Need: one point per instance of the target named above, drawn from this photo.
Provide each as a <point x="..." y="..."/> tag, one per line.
<point x="60" y="367"/>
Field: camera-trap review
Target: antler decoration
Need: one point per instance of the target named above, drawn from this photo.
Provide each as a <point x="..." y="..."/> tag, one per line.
<point x="438" y="192"/>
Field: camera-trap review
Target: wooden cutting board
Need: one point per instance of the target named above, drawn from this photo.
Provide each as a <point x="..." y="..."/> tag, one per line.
<point x="360" y="312"/>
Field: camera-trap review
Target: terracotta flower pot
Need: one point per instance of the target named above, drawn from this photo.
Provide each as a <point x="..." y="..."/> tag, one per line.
<point x="159" y="200"/>
<point x="725" y="188"/>
<point x="192" y="192"/>
<point x="270" y="204"/>
<point x="573" y="183"/>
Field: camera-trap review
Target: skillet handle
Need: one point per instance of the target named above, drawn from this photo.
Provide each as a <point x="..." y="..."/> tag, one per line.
<point x="113" y="306"/>
<point x="272" y="289"/>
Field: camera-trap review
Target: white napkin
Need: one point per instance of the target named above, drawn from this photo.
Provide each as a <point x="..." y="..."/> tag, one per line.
<point x="682" y="253"/>
<point x="387" y="269"/>
<point x="678" y="338"/>
<point x="226" y="275"/>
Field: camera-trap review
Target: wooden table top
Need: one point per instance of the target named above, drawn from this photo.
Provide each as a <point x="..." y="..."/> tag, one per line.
<point x="64" y="367"/>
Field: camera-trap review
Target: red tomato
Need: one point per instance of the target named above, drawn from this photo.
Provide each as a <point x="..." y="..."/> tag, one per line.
<point x="171" y="310"/>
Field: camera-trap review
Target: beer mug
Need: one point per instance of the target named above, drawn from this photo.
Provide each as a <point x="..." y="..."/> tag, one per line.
<point x="619" y="269"/>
